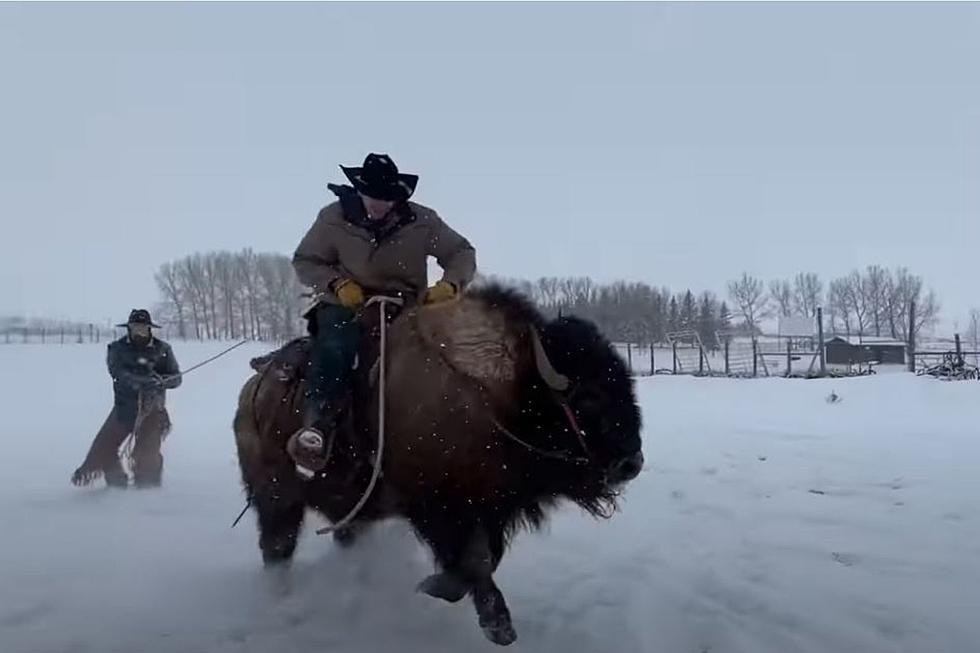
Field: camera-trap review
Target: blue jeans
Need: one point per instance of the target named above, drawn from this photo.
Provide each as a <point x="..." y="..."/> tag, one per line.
<point x="335" y="336"/>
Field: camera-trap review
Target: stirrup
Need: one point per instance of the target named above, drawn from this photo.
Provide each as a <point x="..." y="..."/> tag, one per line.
<point x="310" y="449"/>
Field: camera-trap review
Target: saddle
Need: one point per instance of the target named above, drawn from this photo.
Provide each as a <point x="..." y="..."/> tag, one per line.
<point x="289" y="363"/>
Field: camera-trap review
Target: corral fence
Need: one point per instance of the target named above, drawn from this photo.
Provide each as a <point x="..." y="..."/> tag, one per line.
<point x="801" y="349"/>
<point x="74" y="334"/>
<point x="733" y="357"/>
<point x="63" y="335"/>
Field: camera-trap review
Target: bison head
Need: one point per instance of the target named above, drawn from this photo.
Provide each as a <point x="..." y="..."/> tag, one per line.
<point x="582" y="384"/>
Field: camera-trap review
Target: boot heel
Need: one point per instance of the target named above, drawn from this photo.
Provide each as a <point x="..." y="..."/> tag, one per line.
<point x="310" y="450"/>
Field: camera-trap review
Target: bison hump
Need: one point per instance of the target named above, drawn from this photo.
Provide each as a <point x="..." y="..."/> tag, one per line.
<point x="473" y="338"/>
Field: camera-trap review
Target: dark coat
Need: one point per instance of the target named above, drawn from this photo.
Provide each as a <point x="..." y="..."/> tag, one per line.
<point x="134" y="367"/>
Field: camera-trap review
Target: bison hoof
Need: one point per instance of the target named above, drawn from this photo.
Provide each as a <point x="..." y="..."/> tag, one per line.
<point x="275" y="559"/>
<point x="445" y="586"/>
<point x="278" y="551"/>
<point x="499" y="630"/>
<point x="345" y="537"/>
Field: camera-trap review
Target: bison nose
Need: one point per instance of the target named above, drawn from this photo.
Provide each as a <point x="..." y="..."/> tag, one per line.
<point x="627" y="469"/>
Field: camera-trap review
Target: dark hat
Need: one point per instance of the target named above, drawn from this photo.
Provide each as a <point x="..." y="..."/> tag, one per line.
<point x="379" y="179"/>
<point x="139" y="316"/>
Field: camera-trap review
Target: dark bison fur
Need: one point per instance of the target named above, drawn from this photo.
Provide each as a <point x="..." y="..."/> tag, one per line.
<point x="478" y="445"/>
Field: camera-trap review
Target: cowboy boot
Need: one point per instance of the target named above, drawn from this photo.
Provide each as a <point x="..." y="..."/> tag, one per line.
<point x="310" y="445"/>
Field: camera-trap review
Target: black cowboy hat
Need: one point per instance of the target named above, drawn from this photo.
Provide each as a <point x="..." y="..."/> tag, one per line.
<point x="379" y="179"/>
<point x="139" y="316"/>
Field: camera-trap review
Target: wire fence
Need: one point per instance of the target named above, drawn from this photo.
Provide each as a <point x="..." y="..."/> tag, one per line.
<point x="736" y="357"/>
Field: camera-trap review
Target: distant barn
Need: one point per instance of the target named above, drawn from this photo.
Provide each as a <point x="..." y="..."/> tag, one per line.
<point x="854" y="350"/>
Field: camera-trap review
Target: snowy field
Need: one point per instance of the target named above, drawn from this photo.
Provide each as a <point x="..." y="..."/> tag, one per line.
<point x="767" y="520"/>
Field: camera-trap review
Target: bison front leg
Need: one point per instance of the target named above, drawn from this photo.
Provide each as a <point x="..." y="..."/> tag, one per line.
<point x="448" y="537"/>
<point x="468" y="553"/>
<point x="485" y="551"/>
<point x="280" y="506"/>
<point x="492" y="610"/>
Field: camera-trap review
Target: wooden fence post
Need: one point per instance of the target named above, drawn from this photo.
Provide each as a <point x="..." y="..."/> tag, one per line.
<point x="728" y="342"/>
<point x="755" y="357"/>
<point x="823" y="351"/>
<point x="675" y="356"/>
<point x="911" y="343"/>
<point x="789" y="357"/>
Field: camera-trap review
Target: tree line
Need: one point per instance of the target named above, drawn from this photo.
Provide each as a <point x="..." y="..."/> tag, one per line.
<point x="231" y="295"/>
<point x="629" y="311"/>
<point x="256" y="295"/>
<point x="875" y="301"/>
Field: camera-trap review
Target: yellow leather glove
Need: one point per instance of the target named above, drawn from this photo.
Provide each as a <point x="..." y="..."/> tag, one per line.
<point x="443" y="291"/>
<point x="349" y="292"/>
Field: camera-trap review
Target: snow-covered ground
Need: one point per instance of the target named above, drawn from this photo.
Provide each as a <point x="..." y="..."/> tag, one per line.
<point x="767" y="521"/>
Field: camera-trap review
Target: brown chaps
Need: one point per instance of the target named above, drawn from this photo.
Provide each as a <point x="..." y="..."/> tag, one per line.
<point x="150" y="428"/>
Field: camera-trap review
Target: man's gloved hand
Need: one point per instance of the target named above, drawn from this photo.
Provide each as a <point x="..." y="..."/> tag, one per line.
<point x="152" y="382"/>
<point x="443" y="291"/>
<point x="349" y="292"/>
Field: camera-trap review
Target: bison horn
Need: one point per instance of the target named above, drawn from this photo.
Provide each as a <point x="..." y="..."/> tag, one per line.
<point x="552" y="377"/>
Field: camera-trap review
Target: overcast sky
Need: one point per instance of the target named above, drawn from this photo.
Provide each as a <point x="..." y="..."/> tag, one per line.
<point x="674" y="144"/>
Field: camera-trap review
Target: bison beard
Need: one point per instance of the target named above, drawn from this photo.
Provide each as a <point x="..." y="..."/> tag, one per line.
<point x="478" y="446"/>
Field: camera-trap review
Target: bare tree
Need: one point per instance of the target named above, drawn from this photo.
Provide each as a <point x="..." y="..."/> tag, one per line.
<point x="905" y="289"/>
<point x="927" y="308"/>
<point x="807" y="293"/>
<point x="547" y="291"/>
<point x="227" y="286"/>
<point x="248" y="278"/>
<point x="578" y="290"/>
<point x="876" y="288"/>
<point x="749" y="296"/>
<point x="168" y="281"/>
<point x="840" y="308"/>
<point x="850" y="298"/>
<point x="190" y="280"/>
<point x="781" y="294"/>
<point x="231" y="295"/>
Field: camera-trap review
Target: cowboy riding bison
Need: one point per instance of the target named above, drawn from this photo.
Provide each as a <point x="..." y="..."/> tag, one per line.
<point x="487" y="413"/>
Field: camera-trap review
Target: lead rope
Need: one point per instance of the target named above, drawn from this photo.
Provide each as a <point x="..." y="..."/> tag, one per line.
<point x="207" y="360"/>
<point x="381" y="301"/>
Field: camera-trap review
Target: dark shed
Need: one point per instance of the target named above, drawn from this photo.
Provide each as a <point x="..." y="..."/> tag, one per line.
<point x="841" y="350"/>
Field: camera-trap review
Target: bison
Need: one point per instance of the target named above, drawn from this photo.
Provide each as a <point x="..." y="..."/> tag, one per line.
<point x="494" y="415"/>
